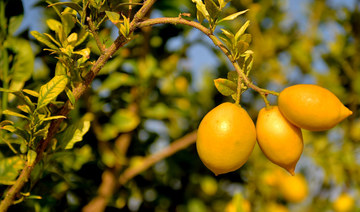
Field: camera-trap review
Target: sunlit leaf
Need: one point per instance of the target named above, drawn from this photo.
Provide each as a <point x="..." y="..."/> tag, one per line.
<point x="31" y="156"/>
<point x="75" y="132"/>
<point x="72" y="5"/>
<point x="228" y="34"/>
<point x="70" y="95"/>
<point x="114" y="17"/>
<point x="225" y="86"/>
<point x="201" y="9"/>
<point x="51" y="90"/>
<point x="52" y="39"/>
<point x="23" y="63"/>
<point x="9" y="169"/>
<point x="54" y="25"/>
<point x="43" y="39"/>
<point x="12" y="113"/>
<point x="31" y="92"/>
<point x="54" y="117"/>
<point x="233" y="16"/>
<point x="125" y="120"/>
<point x="24" y="108"/>
<point x="241" y="30"/>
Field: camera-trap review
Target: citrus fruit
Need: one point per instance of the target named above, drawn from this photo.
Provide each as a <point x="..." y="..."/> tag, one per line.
<point x="279" y="140"/>
<point x="226" y="138"/>
<point x="312" y="107"/>
<point x="275" y="207"/>
<point x="293" y="188"/>
<point x="344" y="203"/>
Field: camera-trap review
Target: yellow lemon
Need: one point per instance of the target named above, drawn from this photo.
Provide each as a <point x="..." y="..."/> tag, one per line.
<point x="275" y="207"/>
<point x="293" y="188"/>
<point x="279" y="140"/>
<point x="226" y="138"/>
<point x="312" y="107"/>
<point x="344" y="203"/>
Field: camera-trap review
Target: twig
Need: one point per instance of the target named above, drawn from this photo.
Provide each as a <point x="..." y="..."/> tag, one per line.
<point x="150" y="160"/>
<point x="216" y="41"/>
<point x="96" y="36"/>
<point x="78" y="91"/>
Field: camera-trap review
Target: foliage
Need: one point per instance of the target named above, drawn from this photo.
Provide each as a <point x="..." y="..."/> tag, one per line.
<point x="91" y="116"/>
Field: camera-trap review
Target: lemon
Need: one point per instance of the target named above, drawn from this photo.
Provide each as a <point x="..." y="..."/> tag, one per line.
<point x="312" y="107"/>
<point x="275" y="207"/>
<point x="293" y="188"/>
<point x="279" y="140"/>
<point x="226" y="138"/>
<point x="344" y="203"/>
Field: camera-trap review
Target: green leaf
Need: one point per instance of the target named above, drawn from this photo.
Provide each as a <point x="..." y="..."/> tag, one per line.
<point x="31" y="92"/>
<point x="113" y="17"/>
<point x="82" y="38"/>
<point x="12" y="113"/>
<point x="228" y="34"/>
<point x="24" y="108"/>
<point x="233" y="16"/>
<point x="43" y="39"/>
<point x="232" y="76"/>
<point x="60" y="69"/>
<point x="72" y="38"/>
<point x="116" y="80"/>
<point x="241" y="30"/>
<point x="52" y="39"/>
<point x="242" y="47"/>
<point x="14" y="23"/>
<point x="158" y="111"/>
<point x="225" y="86"/>
<point x="9" y="169"/>
<point x="246" y="38"/>
<point x="226" y="41"/>
<point x="42" y="132"/>
<point x="23" y="62"/>
<point x="70" y="96"/>
<point x="201" y="9"/>
<point x="6" y="122"/>
<point x="7" y="90"/>
<point x="31" y="156"/>
<point x="125" y="120"/>
<point x="212" y="8"/>
<point x="9" y="128"/>
<point x="54" y="25"/>
<point x="74" y="133"/>
<point x="72" y="5"/>
<point x="51" y="90"/>
<point x="54" y="117"/>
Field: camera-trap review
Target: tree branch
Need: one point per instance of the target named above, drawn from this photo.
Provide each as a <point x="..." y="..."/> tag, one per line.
<point x="78" y="91"/>
<point x="215" y="40"/>
<point x="150" y="160"/>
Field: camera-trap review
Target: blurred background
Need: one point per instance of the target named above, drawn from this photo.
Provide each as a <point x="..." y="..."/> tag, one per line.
<point x="158" y="87"/>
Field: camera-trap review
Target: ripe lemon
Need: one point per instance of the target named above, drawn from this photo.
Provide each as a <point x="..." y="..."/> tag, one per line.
<point x="312" y="107"/>
<point x="293" y="188"/>
<point x="279" y="140"/>
<point x="226" y="138"/>
<point x="344" y="203"/>
<point x="275" y="207"/>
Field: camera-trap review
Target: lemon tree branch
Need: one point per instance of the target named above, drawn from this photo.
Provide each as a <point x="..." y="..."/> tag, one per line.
<point x="150" y="160"/>
<point x="215" y="40"/>
<point x="78" y="91"/>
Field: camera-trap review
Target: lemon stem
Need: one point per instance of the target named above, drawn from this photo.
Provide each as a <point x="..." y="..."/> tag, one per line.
<point x="267" y="104"/>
